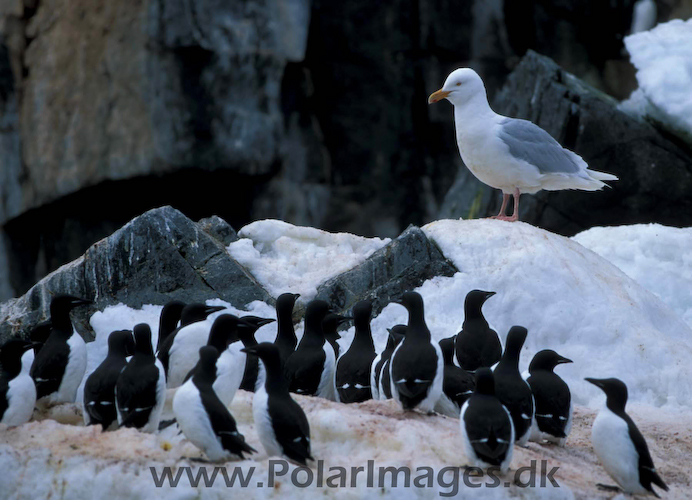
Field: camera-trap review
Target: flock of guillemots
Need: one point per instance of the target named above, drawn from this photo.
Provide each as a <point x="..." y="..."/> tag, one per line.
<point x="467" y="376"/>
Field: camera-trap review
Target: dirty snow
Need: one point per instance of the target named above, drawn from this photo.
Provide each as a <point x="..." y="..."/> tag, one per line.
<point x="288" y="258"/>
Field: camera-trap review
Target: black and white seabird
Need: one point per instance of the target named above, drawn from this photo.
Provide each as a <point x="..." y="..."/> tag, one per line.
<point x="99" y="388"/>
<point x="354" y="367"/>
<point x="330" y="326"/>
<point x="169" y="319"/>
<point x="59" y="366"/>
<point x="252" y="375"/>
<point x="417" y="366"/>
<point x="552" y="419"/>
<point x="38" y="335"/>
<point x="510" y="387"/>
<point x="619" y="444"/>
<point x="178" y="352"/>
<point x="203" y="418"/>
<point x="458" y="384"/>
<point x="17" y="389"/>
<point x="486" y="426"/>
<point x="477" y="344"/>
<point x="384" y="387"/>
<point x="286" y="339"/>
<point x="310" y="369"/>
<point x="140" y="391"/>
<point x="230" y="365"/>
<point x="280" y="422"/>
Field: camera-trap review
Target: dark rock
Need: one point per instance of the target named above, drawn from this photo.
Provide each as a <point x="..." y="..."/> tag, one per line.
<point x="655" y="172"/>
<point x="404" y="264"/>
<point x="218" y="228"/>
<point x="158" y="256"/>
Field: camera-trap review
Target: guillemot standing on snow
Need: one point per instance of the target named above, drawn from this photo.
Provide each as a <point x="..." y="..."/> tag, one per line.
<point x="353" y="368"/>
<point x="458" y="384"/>
<point x="384" y="387"/>
<point x="487" y="431"/>
<point x="203" y="418"/>
<point x="168" y="321"/>
<point x="280" y="422"/>
<point x="286" y="339"/>
<point x="310" y="369"/>
<point x="59" y="366"/>
<point x="99" y="388"/>
<point x="17" y="389"/>
<point x="140" y="390"/>
<point x="178" y="352"/>
<point x="477" y="344"/>
<point x="252" y="375"/>
<point x="552" y="420"/>
<point x="330" y="326"/>
<point x="619" y="444"/>
<point x="511" y="389"/>
<point x="417" y="366"/>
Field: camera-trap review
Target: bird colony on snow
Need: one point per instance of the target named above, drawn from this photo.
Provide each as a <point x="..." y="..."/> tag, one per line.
<point x="469" y="375"/>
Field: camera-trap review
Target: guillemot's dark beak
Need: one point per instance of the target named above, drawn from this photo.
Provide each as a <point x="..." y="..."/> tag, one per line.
<point x="212" y="309"/>
<point x="562" y="360"/>
<point x="595" y="381"/>
<point x="265" y="321"/>
<point x="249" y="350"/>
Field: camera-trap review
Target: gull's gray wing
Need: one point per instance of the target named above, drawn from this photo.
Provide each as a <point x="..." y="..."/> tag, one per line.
<point x="531" y="143"/>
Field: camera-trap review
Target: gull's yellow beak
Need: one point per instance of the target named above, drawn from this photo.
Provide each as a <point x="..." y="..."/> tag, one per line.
<point x="438" y="96"/>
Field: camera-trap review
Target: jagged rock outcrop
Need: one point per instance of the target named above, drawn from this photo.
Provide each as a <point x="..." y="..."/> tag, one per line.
<point x="158" y="256"/>
<point x="655" y="171"/>
<point x="402" y="265"/>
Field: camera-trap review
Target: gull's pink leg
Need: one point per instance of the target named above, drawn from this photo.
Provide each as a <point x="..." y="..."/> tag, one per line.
<point x="515" y="215"/>
<point x="501" y="214"/>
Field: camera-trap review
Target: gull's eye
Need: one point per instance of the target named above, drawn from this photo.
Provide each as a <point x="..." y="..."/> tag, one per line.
<point x="458" y="84"/>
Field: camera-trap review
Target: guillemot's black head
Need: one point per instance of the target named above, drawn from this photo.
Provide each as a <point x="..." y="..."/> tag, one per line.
<point x="447" y="348"/>
<point x="362" y="312"/>
<point x="485" y="381"/>
<point x="331" y="323"/>
<point x="192" y="313"/>
<point x="475" y="299"/>
<point x="11" y="355"/>
<point x="547" y="359"/>
<point x="315" y="313"/>
<point x="285" y="303"/>
<point x="170" y="314"/>
<point x="412" y="301"/>
<point x="256" y="321"/>
<point x="121" y="343"/>
<point x="515" y="340"/>
<point x="224" y="331"/>
<point x="142" y="333"/>
<point x="396" y="335"/>
<point x="266" y="351"/>
<point x="615" y="391"/>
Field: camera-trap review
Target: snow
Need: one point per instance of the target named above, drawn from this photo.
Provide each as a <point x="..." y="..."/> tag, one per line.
<point x="655" y="256"/>
<point x="616" y="311"/>
<point x="663" y="58"/>
<point x="287" y="258"/>
<point x="69" y="461"/>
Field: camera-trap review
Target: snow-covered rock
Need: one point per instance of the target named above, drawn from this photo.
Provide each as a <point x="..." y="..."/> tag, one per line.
<point x="288" y="258"/>
<point x="663" y="58"/>
<point x="655" y="256"/>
